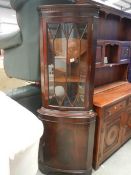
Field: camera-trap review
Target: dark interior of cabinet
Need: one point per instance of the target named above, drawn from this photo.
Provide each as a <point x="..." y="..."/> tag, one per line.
<point x="111" y="52"/>
<point x="109" y="26"/>
<point x="125" y="29"/>
<point x="99" y="54"/>
<point x="110" y="73"/>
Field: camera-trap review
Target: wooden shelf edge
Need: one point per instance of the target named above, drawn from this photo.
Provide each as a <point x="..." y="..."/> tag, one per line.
<point x="101" y="65"/>
<point x="108" y="86"/>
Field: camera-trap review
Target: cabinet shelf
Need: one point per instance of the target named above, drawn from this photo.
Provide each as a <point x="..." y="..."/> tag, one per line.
<point x="113" y="51"/>
<point x="100" y="65"/>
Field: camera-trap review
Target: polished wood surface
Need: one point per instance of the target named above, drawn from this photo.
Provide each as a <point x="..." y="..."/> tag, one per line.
<point x="109" y="73"/>
<point x="79" y="59"/>
<point x="112" y="99"/>
<point x="113" y="42"/>
<point x="106" y="97"/>
<point x="69" y="123"/>
<point x="112" y="93"/>
<point x="113" y="106"/>
<point x="67" y="143"/>
<point x="108" y="86"/>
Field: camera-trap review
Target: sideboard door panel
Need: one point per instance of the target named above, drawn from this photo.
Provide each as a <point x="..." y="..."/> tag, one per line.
<point x="127" y="126"/>
<point x="112" y="134"/>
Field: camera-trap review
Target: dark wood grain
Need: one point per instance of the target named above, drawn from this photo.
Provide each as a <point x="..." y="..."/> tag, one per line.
<point x="112" y="91"/>
<point x="84" y="52"/>
<point x="112" y="100"/>
<point x="113" y="120"/>
<point x="67" y="142"/>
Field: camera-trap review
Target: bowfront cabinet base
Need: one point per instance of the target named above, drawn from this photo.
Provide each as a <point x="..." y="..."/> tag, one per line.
<point x="67" y="144"/>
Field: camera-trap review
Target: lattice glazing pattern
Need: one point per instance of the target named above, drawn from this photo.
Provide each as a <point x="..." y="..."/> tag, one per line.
<point x="67" y="64"/>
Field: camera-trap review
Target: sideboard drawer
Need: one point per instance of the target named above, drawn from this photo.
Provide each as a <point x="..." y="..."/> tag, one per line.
<point x="115" y="108"/>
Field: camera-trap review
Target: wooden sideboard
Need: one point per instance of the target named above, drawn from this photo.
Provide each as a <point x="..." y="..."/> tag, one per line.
<point x="112" y="96"/>
<point x="113" y="105"/>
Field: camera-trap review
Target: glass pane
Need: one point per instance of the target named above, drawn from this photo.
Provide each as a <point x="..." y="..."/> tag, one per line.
<point x="60" y="47"/>
<point x="83" y="61"/>
<point x="67" y="60"/>
<point x="52" y="30"/>
<point x="51" y="80"/>
<point x="60" y="94"/>
<point x="73" y="63"/>
<point x="50" y="62"/>
<point x="77" y="46"/>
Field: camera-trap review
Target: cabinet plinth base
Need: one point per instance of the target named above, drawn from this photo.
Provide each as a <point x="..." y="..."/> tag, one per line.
<point x="53" y="171"/>
<point x="66" y="146"/>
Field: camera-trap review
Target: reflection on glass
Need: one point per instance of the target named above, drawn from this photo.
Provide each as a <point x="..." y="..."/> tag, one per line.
<point x="67" y="64"/>
<point x="51" y="80"/>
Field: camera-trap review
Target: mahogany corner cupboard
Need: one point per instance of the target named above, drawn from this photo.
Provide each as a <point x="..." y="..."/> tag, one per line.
<point x="68" y="51"/>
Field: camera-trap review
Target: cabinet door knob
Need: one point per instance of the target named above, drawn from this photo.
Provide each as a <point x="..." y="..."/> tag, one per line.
<point x="115" y="107"/>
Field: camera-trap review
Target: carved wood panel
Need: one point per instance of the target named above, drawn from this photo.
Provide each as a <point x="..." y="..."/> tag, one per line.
<point x="113" y="127"/>
<point x="112" y="134"/>
<point x="110" y="137"/>
<point x="127" y="126"/>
